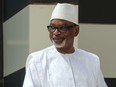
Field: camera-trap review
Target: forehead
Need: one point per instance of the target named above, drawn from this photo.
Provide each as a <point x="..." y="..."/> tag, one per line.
<point x="59" y="22"/>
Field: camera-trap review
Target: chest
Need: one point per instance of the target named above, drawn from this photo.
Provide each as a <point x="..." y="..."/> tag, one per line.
<point x="70" y="73"/>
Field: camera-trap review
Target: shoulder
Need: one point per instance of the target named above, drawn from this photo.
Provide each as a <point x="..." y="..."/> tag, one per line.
<point x="89" y="57"/>
<point x="42" y="52"/>
<point x="90" y="60"/>
<point x="38" y="56"/>
<point x="87" y="54"/>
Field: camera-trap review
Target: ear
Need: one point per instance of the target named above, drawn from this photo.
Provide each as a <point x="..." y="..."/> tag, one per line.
<point x="76" y="30"/>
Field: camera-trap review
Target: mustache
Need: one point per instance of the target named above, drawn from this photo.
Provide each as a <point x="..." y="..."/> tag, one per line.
<point x="55" y="37"/>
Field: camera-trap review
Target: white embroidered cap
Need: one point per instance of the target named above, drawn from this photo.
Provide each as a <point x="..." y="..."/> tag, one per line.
<point x="66" y="11"/>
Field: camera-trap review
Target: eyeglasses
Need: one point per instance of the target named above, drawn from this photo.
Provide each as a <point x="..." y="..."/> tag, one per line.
<point x="62" y="28"/>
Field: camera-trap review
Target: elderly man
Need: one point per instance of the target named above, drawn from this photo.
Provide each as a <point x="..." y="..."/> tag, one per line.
<point x="63" y="65"/>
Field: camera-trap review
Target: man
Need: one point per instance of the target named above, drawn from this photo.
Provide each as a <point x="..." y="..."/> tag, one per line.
<point x="63" y="65"/>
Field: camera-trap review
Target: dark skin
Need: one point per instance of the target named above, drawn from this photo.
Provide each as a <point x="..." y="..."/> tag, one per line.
<point x="65" y="40"/>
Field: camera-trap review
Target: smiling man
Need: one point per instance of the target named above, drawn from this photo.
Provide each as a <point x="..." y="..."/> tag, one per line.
<point x="63" y="65"/>
<point x="62" y="34"/>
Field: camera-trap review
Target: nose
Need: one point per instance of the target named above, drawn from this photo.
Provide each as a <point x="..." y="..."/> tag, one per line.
<point x="56" y="32"/>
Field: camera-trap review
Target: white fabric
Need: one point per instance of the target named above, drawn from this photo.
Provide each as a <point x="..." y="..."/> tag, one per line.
<point x="49" y="68"/>
<point x="66" y="11"/>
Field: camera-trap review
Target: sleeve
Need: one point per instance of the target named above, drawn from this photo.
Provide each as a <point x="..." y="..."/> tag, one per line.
<point x="100" y="80"/>
<point x="31" y="77"/>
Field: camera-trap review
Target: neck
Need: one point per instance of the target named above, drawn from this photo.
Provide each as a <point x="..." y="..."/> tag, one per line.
<point x="66" y="50"/>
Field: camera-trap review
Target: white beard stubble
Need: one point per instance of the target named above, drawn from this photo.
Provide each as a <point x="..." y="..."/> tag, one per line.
<point x="59" y="45"/>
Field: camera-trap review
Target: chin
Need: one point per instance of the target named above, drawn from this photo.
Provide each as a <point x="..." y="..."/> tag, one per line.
<point x="58" y="45"/>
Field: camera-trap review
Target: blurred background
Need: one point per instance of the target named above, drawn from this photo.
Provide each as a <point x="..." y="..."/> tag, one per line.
<point x="23" y="30"/>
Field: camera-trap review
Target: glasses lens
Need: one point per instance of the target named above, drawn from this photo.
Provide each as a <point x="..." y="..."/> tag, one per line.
<point x="51" y="28"/>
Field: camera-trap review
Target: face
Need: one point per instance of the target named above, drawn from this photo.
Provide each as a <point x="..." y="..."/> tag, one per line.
<point x="63" y="36"/>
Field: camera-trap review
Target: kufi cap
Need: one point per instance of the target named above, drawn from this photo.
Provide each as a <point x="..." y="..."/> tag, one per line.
<point x="66" y="11"/>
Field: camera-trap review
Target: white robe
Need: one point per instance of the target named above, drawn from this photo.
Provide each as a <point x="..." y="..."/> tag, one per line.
<point x="49" y="68"/>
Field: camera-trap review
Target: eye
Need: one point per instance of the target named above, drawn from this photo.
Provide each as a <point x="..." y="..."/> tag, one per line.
<point x="62" y="27"/>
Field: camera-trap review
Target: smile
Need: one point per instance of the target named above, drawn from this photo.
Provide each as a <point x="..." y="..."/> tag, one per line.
<point x="58" y="40"/>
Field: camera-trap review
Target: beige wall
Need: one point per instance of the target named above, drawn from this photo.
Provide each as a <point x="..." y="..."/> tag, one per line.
<point x="16" y="41"/>
<point x="100" y="39"/>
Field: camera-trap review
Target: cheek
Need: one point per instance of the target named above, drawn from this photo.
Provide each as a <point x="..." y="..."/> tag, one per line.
<point x="70" y="39"/>
<point x="50" y="36"/>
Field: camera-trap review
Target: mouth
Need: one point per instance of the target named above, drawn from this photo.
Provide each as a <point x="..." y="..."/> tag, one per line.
<point x="58" y="40"/>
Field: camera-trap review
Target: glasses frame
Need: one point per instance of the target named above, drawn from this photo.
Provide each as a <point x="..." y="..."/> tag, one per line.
<point x="62" y="28"/>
